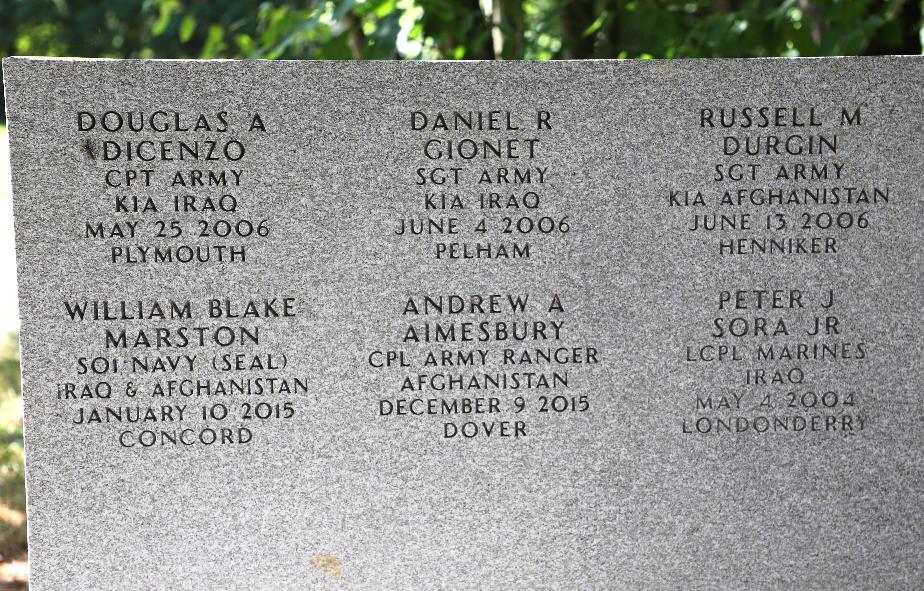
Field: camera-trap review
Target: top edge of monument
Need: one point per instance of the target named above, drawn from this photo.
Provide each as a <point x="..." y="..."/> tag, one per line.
<point x="463" y="63"/>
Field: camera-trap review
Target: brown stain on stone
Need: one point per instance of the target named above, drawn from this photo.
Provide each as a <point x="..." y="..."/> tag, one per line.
<point x="329" y="564"/>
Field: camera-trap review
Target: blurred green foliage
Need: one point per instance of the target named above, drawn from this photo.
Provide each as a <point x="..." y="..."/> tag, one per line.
<point x="9" y="367"/>
<point x="12" y="471"/>
<point x="458" y="29"/>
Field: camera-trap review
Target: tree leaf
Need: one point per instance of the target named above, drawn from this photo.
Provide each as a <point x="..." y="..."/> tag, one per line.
<point x="187" y="28"/>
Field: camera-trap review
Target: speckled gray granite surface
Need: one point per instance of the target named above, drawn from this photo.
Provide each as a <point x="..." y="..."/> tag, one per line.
<point x="243" y="368"/>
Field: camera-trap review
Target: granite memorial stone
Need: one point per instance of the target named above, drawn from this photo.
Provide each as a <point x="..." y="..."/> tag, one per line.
<point x="392" y="325"/>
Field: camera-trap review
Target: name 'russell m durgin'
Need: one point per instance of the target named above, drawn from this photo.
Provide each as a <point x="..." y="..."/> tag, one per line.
<point x="793" y="143"/>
